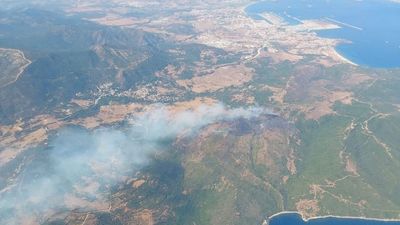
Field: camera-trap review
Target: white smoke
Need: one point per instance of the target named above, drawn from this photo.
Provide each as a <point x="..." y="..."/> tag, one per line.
<point x="79" y="164"/>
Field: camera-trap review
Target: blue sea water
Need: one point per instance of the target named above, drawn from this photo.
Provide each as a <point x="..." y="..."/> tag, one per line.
<point x="375" y="44"/>
<point x="295" y="219"/>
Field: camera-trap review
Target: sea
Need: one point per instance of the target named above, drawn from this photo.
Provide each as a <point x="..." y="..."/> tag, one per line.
<point x="371" y="26"/>
<point x="295" y="219"/>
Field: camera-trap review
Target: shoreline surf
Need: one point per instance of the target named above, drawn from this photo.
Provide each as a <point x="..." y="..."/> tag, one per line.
<point x="343" y="58"/>
<point x="327" y="217"/>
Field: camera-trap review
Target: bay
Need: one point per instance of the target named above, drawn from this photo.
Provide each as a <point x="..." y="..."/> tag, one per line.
<point x="372" y="26"/>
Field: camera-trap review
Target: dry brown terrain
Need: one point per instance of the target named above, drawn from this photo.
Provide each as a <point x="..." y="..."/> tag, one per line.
<point x="223" y="77"/>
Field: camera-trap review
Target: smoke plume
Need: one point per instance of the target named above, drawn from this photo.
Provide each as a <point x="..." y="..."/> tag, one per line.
<point x="79" y="166"/>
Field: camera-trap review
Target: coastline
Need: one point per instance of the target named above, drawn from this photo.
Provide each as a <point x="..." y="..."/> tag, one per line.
<point x="334" y="53"/>
<point x="330" y="216"/>
<point x="244" y="7"/>
<point x="342" y="58"/>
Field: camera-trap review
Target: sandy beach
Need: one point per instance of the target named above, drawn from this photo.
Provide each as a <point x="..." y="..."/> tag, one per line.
<point x="342" y="58"/>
